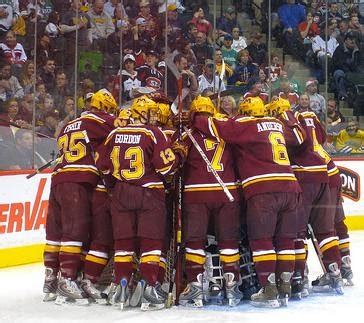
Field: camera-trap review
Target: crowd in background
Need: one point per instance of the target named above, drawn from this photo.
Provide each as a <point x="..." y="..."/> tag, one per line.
<point x="126" y="45"/>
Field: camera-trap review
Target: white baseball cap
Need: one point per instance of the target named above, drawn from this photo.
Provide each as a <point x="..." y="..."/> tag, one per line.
<point x="128" y="56"/>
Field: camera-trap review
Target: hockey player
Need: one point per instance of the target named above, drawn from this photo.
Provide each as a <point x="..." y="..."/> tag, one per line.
<point x="271" y="191"/>
<point x="309" y="164"/>
<point x="204" y="201"/>
<point x="69" y="213"/>
<point x="137" y="156"/>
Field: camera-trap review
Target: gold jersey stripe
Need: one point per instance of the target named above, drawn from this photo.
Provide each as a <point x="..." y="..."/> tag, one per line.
<point x="215" y="188"/>
<point x="64" y="170"/>
<point x="273" y="178"/>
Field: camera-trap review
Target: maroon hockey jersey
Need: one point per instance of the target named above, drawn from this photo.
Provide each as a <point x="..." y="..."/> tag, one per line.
<point x="139" y="155"/>
<point x="260" y="149"/>
<point x="308" y="160"/>
<point x="77" y="142"/>
<point x="200" y="185"/>
<point x="150" y="77"/>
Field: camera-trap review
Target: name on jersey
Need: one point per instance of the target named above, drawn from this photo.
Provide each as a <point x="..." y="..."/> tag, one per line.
<point x="127" y="139"/>
<point x="73" y="126"/>
<point x="269" y="126"/>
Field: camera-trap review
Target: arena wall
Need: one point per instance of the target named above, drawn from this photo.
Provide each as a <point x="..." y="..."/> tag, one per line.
<point x="24" y="203"/>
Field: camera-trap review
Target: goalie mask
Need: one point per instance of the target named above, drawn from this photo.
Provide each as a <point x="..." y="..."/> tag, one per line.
<point x="253" y="107"/>
<point x="203" y="105"/>
<point x="278" y="106"/>
<point x="103" y="100"/>
<point x="141" y="107"/>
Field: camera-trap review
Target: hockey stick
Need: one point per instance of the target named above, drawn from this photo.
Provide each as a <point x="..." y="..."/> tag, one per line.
<point x="221" y="79"/>
<point x="316" y="247"/>
<point x="41" y="168"/>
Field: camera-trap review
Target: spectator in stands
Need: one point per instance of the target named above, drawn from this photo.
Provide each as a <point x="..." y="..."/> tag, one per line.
<point x="48" y="74"/>
<point x="351" y="139"/>
<point x="210" y="80"/>
<point x="129" y="77"/>
<point x="202" y="49"/>
<point x="264" y="79"/>
<point x="244" y="71"/>
<point x="27" y="77"/>
<point x="44" y="49"/>
<point x="285" y="91"/>
<point x="228" y="53"/>
<point x="256" y="90"/>
<point x="189" y="81"/>
<point x="142" y="39"/>
<point x="257" y="50"/>
<point x="13" y="51"/>
<point x="203" y="25"/>
<point x="50" y="127"/>
<point x="356" y="29"/>
<point x="110" y="7"/>
<point x="275" y="68"/>
<point x="191" y="33"/>
<point x="291" y="15"/>
<point x="347" y="8"/>
<point x="239" y="42"/>
<point x="228" y="105"/>
<point x="122" y="30"/>
<point x="21" y="155"/>
<point x="101" y="25"/>
<point x="61" y="89"/>
<point x="9" y="84"/>
<point x="325" y="50"/>
<point x="218" y="66"/>
<point x="334" y="12"/>
<point x="69" y="24"/>
<point x="183" y="47"/>
<point x="173" y="20"/>
<point x="308" y="28"/>
<point x="151" y="21"/>
<point x="227" y="22"/>
<point x="343" y="30"/>
<point x="119" y="13"/>
<point x="149" y="74"/>
<point x="53" y="29"/>
<point x="26" y="105"/>
<point x="345" y="60"/>
<point x="9" y="11"/>
<point x="335" y="121"/>
<point x="68" y="112"/>
<point x="317" y="101"/>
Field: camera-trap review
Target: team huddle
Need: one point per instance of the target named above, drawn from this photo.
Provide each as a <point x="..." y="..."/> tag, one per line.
<point x="129" y="187"/>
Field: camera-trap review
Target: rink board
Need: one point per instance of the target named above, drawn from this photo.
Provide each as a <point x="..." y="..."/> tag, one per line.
<point x="24" y="203"/>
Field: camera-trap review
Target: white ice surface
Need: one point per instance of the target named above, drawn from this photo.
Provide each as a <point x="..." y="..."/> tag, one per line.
<point x="21" y="301"/>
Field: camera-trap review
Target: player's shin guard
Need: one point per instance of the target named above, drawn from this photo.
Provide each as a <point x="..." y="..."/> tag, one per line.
<point x="300" y="249"/>
<point x="70" y="258"/>
<point x="95" y="262"/>
<point x="329" y="246"/>
<point x="51" y="254"/>
<point x="264" y="258"/>
<point x="344" y="241"/>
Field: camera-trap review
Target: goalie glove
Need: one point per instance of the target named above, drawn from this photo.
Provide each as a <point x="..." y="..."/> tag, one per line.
<point x="181" y="149"/>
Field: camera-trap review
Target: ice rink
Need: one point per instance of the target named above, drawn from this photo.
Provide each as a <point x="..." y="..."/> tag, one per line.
<point x="21" y="301"/>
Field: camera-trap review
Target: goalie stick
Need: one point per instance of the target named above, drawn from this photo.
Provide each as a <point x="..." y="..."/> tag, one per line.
<point x="316" y="247"/>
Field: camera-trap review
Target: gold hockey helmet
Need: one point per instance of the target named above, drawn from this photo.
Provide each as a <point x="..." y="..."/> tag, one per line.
<point x="277" y="106"/>
<point x="203" y="104"/>
<point x="103" y="100"/>
<point x="253" y="106"/>
<point x="140" y="105"/>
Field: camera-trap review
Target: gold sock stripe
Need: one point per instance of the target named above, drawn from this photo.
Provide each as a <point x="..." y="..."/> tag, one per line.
<point x="286" y="257"/>
<point x="50" y="248"/>
<point x="230" y="258"/>
<point x="98" y="260"/>
<point x="345" y="245"/>
<point x="70" y="249"/>
<point x="126" y="258"/>
<point x="331" y="244"/>
<point x="163" y="265"/>
<point x="198" y="259"/>
<point x="268" y="257"/>
<point x="150" y="258"/>
<point x="300" y="256"/>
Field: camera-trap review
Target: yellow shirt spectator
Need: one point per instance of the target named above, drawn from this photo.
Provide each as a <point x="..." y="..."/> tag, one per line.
<point x="350" y="140"/>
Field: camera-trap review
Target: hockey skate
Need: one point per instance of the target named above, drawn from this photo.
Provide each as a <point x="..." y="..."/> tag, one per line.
<point x="346" y="272"/>
<point x="136" y="295"/>
<point x="50" y="285"/>
<point x="70" y="293"/>
<point x="92" y="292"/>
<point x="284" y="288"/>
<point x="214" y="289"/>
<point x="233" y="294"/>
<point x="193" y="294"/>
<point x="152" y="298"/>
<point x="329" y="281"/>
<point x="113" y="292"/>
<point x="267" y="295"/>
